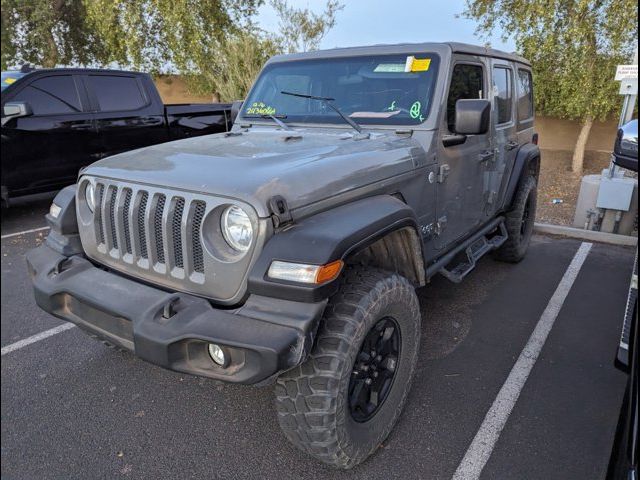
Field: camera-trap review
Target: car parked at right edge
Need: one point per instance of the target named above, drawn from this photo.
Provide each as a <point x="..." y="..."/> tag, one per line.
<point x="624" y="457"/>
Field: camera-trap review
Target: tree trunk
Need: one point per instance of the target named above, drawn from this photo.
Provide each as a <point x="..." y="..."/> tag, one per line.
<point x="50" y="59"/>
<point x="578" y="153"/>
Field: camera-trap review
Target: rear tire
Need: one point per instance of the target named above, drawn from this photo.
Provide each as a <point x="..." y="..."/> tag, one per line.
<point x="519" y="222"/>
<point x="325" y="406"/>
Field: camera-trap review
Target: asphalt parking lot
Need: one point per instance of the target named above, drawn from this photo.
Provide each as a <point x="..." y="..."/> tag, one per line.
<point x="73" y="408"/>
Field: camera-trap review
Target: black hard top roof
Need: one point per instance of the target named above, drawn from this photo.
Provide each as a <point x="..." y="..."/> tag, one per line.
<point x="437" y="47"/>
<point x="487" y="52"/>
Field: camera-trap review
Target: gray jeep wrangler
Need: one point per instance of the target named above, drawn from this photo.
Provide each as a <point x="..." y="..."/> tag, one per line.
<point x="288" y="250"/>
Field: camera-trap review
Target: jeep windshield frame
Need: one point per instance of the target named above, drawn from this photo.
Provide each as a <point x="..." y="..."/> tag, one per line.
<point x="390" y="90"/>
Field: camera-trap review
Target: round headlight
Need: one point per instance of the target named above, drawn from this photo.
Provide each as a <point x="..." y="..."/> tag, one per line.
<point x="236" y="228"/>
<point x="90" y="195"/>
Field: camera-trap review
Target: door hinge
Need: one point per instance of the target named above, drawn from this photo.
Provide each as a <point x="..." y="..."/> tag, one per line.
<point x="443" y="172"/>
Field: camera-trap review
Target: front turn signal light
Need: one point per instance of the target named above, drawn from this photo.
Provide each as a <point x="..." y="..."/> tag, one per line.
<point x="304" y="273"/>
<point x="329" y="271"/>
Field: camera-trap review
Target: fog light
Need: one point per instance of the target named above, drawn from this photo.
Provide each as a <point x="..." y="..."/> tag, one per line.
<point x="217" y="354"/>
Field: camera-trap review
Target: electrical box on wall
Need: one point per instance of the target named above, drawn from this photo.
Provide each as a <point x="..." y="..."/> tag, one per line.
<point x="615" y="193"/>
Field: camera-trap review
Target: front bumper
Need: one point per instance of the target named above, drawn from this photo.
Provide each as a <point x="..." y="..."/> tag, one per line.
<point x="262" y="338"/>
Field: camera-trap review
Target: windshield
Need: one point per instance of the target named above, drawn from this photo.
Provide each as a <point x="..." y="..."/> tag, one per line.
<point x="381" y="90"/>
<point x="9" y="77"/>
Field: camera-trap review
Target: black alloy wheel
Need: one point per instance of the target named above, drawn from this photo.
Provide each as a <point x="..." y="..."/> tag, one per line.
<point x="374" y="370"/>
<point x="519" y="222"/>
<point x="524" y="224"/>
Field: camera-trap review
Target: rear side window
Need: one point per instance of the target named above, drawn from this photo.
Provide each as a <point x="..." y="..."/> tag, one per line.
<point x="51" y="95"/>
<point x="116" y="93"/>
<point x="466" y="83"/>
<point x="503" y="93"/>
<point x="525" y="95"/>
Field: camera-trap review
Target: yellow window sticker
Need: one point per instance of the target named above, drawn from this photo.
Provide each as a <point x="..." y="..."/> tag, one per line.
<point x="414" y="64"/>
<point x="421" y="65"/>
<point x="9" y="80"/>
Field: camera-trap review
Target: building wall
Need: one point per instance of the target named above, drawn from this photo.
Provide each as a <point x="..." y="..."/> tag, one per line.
<point x="559" y="134"/>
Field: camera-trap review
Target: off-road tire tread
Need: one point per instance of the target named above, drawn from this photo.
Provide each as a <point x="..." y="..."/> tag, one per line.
<point x="308" y="399"/>
<point x="513" y="250"/>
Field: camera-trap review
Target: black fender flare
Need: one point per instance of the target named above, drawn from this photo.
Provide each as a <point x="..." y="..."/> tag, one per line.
<point x="325" y="237"/>
<point x="527" y="154"/>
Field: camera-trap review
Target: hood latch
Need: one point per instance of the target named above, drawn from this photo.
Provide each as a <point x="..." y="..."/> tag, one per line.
<point x="280" y="214"/>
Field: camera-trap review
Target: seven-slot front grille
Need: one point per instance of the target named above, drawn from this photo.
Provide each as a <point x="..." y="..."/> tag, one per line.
<point x="164" y="236"/>
<point x="160" y="231"/>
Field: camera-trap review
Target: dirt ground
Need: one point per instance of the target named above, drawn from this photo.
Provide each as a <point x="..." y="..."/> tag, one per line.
<point x="558" y="182"/>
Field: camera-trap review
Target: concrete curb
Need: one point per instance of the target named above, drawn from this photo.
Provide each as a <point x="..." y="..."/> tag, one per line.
<point x="590" y="235"/>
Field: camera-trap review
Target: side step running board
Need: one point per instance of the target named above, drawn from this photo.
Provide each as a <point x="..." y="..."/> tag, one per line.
<point x="476" y="247"/>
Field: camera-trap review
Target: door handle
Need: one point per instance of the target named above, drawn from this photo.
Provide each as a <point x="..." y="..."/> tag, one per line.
<point x="511" y="145"/>
<point x="486" y="155"/>
<point x="81" y="126"/>
<point x="150" y="121"/>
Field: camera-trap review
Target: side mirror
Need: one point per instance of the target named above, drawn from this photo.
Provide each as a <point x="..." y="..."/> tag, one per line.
<point x="472" y="117"/>
<point x="235" y="109"/>
<point x="625" y="150"/>
<point x="14" y="110"/>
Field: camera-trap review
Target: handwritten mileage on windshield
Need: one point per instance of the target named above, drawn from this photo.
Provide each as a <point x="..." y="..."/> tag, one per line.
<point x="260" y="108"/>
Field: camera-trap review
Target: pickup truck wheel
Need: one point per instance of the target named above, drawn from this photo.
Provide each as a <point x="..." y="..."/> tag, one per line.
<point x="519" y="222"/>
<point x="343" y="401"/>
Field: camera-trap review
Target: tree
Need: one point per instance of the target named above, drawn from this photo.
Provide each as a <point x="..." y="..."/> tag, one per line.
<point x="303" y="30"/>
<point x="574" y="46"/>
<point x="240" y="55"/>
<point x="152" y="35"/>
<point x="165" y="35"/>
<point x="48" y="33"/>
<point x="231" y="75"/>
<point x="213" y="43"/>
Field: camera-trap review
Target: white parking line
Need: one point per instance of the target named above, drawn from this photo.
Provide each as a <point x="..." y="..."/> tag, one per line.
<point x="9" y="235"/>
<point x="36" y="338"/>
<point x="485" y="440"/>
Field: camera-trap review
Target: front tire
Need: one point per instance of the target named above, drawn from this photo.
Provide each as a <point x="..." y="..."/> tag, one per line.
<point x="343" y="401"/>
<point x="519" y="223"/>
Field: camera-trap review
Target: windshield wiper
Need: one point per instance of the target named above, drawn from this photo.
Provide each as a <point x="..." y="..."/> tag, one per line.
<point x="326" y="101"/>
<point x="275" y="118"/>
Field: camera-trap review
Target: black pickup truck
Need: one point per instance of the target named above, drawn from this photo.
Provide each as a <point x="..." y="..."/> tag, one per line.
<point x="56" y="121"/>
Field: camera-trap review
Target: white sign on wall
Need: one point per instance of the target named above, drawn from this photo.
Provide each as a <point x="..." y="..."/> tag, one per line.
<point x="626" y="72"/>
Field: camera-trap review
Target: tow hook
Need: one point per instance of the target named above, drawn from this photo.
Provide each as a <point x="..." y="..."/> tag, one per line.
<point x="61" y="266"/>
<point x="169" y="310"/>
